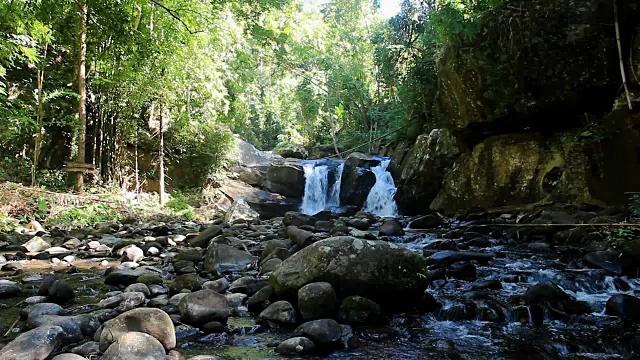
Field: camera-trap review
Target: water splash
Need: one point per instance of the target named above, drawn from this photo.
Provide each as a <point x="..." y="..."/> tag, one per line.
<point x="380" y="200"/>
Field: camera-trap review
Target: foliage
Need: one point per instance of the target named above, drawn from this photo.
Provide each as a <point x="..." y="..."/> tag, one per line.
<point x="85" y="215"/>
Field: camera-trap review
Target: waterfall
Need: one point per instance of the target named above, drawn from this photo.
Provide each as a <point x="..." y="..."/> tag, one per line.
<point x="334" y="193"/>
<point x="322" y="186"/>
<point x="380" y="200"/>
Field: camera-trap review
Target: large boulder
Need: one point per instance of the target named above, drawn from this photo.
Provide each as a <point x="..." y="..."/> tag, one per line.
<point x="285" y="179"/>
<point x="154" y="322"/>
<point x="135" y="346"/>
<point x="381" y="271"/>
<point x="221" y="259"/>
<point x="241" y="211"/>
<point x="203" y="306"/>
<point x="245" y="154"/>
<point x="357" y="179"/>
<point x="423" y="168"/>
<point x="624" y="306"/>
<point x="35" y="344"/>
<point x="516" y="169"/>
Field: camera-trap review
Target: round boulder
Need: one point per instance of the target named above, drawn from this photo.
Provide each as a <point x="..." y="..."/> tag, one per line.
<point x="154" y="322"/>
<point x="358" y="310"/>
<point x="135" y="346"/>
<point x="373" y="269"/>
<point x="281" y="312"/>
<point x="202" y="306"/>
<point x="317" y="300"/>
<point x="296" y="346"/>
<point x="323" y="331"/>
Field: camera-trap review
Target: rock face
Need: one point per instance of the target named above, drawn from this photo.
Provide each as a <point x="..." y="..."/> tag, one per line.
<point x="383" y="272"/>
<point x="516" y="169"/>
<point x="246" y="154"/>
<point x="35" y="344"/>
<point x="357" y="179"/>
<point x="285" y="179"/>
<point x="422" y="170"/>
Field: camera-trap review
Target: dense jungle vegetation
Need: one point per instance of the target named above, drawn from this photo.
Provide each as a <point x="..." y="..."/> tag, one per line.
<point x="93" y="81"/>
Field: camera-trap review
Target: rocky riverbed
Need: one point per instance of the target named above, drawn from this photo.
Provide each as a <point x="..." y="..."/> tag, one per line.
<point x="327" y="286"/>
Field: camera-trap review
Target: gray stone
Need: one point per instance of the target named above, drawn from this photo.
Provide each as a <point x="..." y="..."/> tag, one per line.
<point x="323" y="331"/>
<point x="135" y="346"/>
<point x="8" y="289"/>
<point x="296" y="346"/>
<point x="36" y="344"/>
<point x="221" y="259"/>
<point x="36" y="244"/>
<point x="317" y="300"/>
<point x="203" y="306"/>
<point x="281" y="312"/>
<point x="154" y="322"/>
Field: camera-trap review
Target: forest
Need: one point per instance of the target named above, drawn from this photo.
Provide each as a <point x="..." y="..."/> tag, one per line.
<point x="321" y="179"/>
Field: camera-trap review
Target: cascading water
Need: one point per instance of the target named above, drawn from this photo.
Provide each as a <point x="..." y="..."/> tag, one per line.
<point x="322" y="186"/>
<point x="315" y="188"/>
<point x="334" y="193"/>
<point x="380" y="200"/>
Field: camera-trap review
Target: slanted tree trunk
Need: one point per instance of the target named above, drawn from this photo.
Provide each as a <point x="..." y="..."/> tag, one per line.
<point x="161" y="157"/>
<point x="82" y="92"/>
<point x="622" y="72"/>
<point x="38" y="144"/>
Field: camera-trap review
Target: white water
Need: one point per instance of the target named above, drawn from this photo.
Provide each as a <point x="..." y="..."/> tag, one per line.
<point x="334" y="192"/>
<point x="315" y="188"/>
<point x="381" y="200"/>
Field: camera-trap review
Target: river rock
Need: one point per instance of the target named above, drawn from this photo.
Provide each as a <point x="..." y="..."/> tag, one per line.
<point x="301" y="237"/>
<point x="323" y="331"/>
<point x="612" y="261"/>
<point x="391" y="228"/>
<point x="69" y="356"/>
<point x="154" y="322"/>
<point x="448" y="257"/>
<point x="203" y="239"/>
<point x="624" y="306"/>
<point x="248" y="285"/>
<point x="60" y="292"/>
<point x="260" y="300"/>
<point x="281" y="312"/>
<point x="317" y="300"/>
<point x="75" y="327"/>
<point x="8" y="289"/>
<point x="221" y="259"/>
<point x="36" y="244"/>
<point x="352" y="265"/>
<point x="138" y="287"/>
<point x="191" y="282"/>
<point x="35" y="344"/>
<point x="220" y="285"/>
<point x="129" y="299"/>
<point x="544" y="293"/>
<point x="202" y="306"/>
<point x="240" y="211"/>
<point x="358" y="311"/>
<point x="296" y="346"/>
<point x="427" y="222"/>
<point x="88" y="349"/>
<point x="35" y="310"/>
<point x="293" y="218"/>
<point x="131" y="253"/>
<point x="135" y="346"/>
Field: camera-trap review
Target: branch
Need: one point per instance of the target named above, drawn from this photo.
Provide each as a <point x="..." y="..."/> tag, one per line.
<point x="175" y="16"/>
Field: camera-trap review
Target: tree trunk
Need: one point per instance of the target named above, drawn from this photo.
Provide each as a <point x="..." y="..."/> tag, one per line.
<point x="82" y="92"/>
<point x="38" y="144"/>
<point x="622" y="73"/>
<point x="161" y="157"/>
